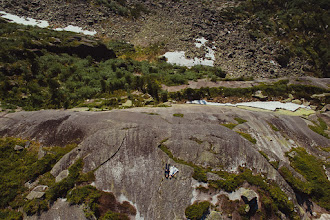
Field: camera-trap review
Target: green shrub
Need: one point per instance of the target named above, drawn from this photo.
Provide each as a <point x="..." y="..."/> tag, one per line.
<point x="35" y="206"/>
<point x="61" y="188"/>
<point x="178" y="115"/>
<point x="198" y="210"/>
<point x="199" y="174"/>
<point x="318" y="186"/>
<point x="86" y="194"/>
<point x="320" y="128"/>
<point x="110" y="215"/>
<point x="10" y="214"/>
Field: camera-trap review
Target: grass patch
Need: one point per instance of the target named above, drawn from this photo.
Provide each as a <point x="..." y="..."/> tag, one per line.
<point x="320" y="128"/>
<point x="273" y="127"/>
<point x="247" y="137"/>
<point x="150" y="113"/>
<point x="229" y="125"/>
<point x="178" y="115"/>
<point x="198" y="141"/>
<point x="240" y="120"/>
<point x="264" y="155"/>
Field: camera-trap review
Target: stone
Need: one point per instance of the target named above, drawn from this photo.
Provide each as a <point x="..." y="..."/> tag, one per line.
<point x="249" y="195"/>
<point x="297" y="101"/>
<point x="40" y="188"/>
<point x="18" y="148"/>
<point x="250" y="198"/>
<point x="63" y="174"/>
<point x="214" y="215"/>
<point x="35" y="195"/>
<point x="27" y="144"/>
<point x="258" y="94"/>
<point x="41" y="153"/>
<point x="326" y="108"/>
<point x="128" y="103"/>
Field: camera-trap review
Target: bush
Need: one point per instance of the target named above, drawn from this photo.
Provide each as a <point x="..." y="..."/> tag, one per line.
<point x="198" y="210"/>
<point x="199" y="174"/>
<point x="35" y="206"/>
<point x="178" y="115"/>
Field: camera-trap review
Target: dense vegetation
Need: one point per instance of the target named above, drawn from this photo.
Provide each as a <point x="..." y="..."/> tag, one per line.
<point x="34" y="75"/>
<point x="197" y="210"/>
<point x="20" y="166"/>
<point x="301" y="25"/>
<point x="317" y="185"/>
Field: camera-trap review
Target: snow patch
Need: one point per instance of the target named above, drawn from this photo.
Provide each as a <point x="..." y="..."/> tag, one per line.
<point x="179" y="58"/>
<point x="76" y="29"/>
<point x="25" y="21"/>
<point x="271" y="105"/>
<point x="42" y="23"/>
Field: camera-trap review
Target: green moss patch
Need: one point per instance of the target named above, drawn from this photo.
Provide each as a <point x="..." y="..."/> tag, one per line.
<point x="197" y="210"/>
<point x="229" y="125"/>
<point x="273" y="127"/>
<point x="240" y="120"/>
<point x="247" y="137"/>
<point x="320" y="128"/>
<point x="318" y="185"/>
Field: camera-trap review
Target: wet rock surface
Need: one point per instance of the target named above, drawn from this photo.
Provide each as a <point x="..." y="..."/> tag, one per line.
<point x="122" y="146"/>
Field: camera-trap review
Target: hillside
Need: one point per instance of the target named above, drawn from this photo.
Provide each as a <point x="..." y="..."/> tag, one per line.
<point x="88" y="124"/>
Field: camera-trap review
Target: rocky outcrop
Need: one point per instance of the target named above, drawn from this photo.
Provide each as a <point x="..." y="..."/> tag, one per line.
<point x="122" y="148"/>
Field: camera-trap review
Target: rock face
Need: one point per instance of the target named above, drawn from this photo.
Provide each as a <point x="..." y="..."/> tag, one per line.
<point x="61" y="210"/>
<point x="123" y="147"/>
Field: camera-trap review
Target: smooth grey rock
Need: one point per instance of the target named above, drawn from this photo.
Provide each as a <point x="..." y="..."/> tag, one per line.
<point x="258" y="94"/>
<point x="18" y="148"/>
<point x="214" y="215"/>
<point x="128" y="103"/>
<point x="61" y="209"/>
<point x="62" y="175"/>
<point x="35" y="195"/>
<point x="249" y="194"/>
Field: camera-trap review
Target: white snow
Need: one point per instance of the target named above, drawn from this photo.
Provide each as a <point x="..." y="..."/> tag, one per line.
<point x="123" y="198"/>
<point x="271" y="105"/>
<point x="76" y="29"/>
<point x="25" y="21"/>
<point x="42" y="23"/>
<point x="200" y="42"/>
<point x="179" y="58"/>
